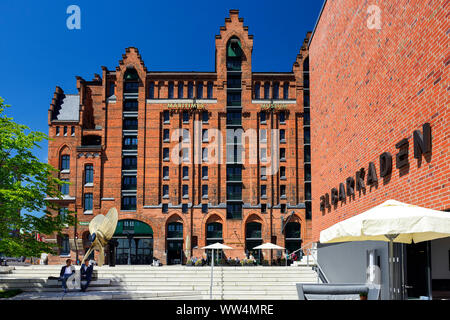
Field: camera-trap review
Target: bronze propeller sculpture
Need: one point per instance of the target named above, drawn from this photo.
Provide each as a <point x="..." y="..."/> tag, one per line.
<point x="102" y="229"/>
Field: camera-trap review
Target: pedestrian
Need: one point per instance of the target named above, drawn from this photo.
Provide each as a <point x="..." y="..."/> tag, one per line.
<point x="66" y="271"/>
<point x="86" y="274"/>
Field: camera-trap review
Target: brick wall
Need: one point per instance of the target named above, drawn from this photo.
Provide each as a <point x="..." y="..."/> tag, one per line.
<point x="371" y="88"/>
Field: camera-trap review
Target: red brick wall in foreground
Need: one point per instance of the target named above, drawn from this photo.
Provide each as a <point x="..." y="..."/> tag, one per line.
<point x="371" y="88"/>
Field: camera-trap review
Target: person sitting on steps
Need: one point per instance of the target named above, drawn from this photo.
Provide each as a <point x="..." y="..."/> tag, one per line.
<point x="86" y="274"/>
<point x="66" y="272"/>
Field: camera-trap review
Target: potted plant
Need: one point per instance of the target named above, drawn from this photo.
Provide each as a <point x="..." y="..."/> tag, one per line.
<point x="363" y="296"/>
<point x="198" y="263"/>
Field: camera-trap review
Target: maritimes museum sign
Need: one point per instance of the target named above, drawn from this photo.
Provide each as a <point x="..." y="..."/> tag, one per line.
<point x="422" y="145"/>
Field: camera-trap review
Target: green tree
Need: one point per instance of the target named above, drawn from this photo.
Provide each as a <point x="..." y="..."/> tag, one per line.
<point x="25" y="182"/>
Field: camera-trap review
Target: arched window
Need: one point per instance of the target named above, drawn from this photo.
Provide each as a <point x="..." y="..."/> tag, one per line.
<point x="253" y="230"/>
<point x="292" y="233"/>
<point x="170" y="89"/>
<point x="190" y="90"/>
<point x="131" y="79"/>
<point x="276" y="91"/>
<point x="214" y="233"/>
<point x="286" y="90"/>
<point x="175" y="230"/>
<point x="210" y="90"/>
<point x="180" y="89"/>
<point x="253" y="238"/>
<point x="234" y="54"/>
<point x="267" y="90"/>
<point x="257" y="90"/>
<point x="199" y="90"/>
<point x="151" y="90"/>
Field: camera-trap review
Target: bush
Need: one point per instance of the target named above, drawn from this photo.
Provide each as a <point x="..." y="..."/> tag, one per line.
<point x="198" y="263"/>
<point x="10" y="293"/>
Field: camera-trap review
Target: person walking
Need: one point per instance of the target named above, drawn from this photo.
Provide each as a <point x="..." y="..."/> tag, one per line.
<point x="86" y="274"/>
<point x="66" y="272"/>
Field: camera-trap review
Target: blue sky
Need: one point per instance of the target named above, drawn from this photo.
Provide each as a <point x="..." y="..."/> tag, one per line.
<point x="38" y="51"/>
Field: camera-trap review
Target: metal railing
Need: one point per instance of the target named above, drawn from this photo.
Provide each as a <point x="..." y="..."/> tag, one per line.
<point x="309" y="253"/>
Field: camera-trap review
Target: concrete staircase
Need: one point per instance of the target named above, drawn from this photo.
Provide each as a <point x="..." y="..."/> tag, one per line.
<point x="172" y="282"/>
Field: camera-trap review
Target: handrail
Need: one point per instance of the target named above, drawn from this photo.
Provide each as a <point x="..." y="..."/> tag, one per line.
<point x="308" y="254"/>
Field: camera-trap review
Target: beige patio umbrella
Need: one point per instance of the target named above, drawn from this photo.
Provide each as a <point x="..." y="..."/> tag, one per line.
<point x="269" y="246"/>
<point x="391" y="221"/>
<point x="215" y="246"/>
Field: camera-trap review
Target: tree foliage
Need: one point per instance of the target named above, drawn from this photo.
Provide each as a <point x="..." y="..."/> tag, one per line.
<point x="25" y="183"/>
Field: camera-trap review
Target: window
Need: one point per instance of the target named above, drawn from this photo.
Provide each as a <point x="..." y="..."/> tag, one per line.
<point x="130" y="124"/>
<point x="307" y="172"/>
<point x="308" y="191"/>
<point x="165" y="207"/>
<point x="210" y="90"/>
<point x="166" y="116"/>
<point x="130" y="105"/>
<point x="185" y="135"/>
<point x="205" y="191"/>
<point x="205" y="117"/>
<point x="65" y="130"/>
<point x="166" y="134"/>
<point x="234" y="118"/>
<point x="253" y="230"/>
<point x="185" y="153"/>
<point x="205" y="135"/>
<point x="204" y="173"/>
<point x="263" y="173"/>
<point x="234" y="81"/>
<point x="262" y="116"/>
<point x="166" y="154"/>
<point x="185" y="173"/>
<point x="234" y="99"/>
<point x="129" y="203"/>
<point x="131" y="87"/>
<point x="180" y="89"/>
<point x="57" y="130"/>
<point x="282" y="117"/>
<point x="64" y="188"/>
<point x="306" y="98"/>
<point x="286" y="90"/>
<point x="266" y="90"/>
<point x="199" y="90"/>
<point x="204" y="208"/>
<point x="63" y="213"/>
<point x="184" y="208"/>
<point x="307" y="153"/>
<point x="263" y="133"/>
<point x="88" y="201"/>
<point x="234" y="191"/>
<point x="170" y="89"/>
<point x="263" y="207"/>
<point x="306" y="117"/>
<point x="185" y="191"/>
<point x="165" y="191"/>
<point x="275" y="91"/>
<point x="129" y="163"/>
<point x="234" y="173"/>
<point x="65" y="245"/>
<point x="190" y="90"/>
<point x="72" y="131"/>
<point x="283" y="173"/>
<point x="307" y="135"/>
<point x="205" y="154"/>
<point x="263" y="191"/>
<point x="65" y="162"/>
<point x="151" y="90"/>
<point x="283" y="191"/>
<point x="166" y="173"/>
<point x="282" y="136"/>
<point x="282" y="154"/>
<point x="234" y="211"/>
<point x="185" y="117"/>
<point x="283" y="208"/>
<point x="89" y="173"/>
<point x="111" y="89"/>
<point x="130" y="143"/>
<point x="129" y="183"/>
<point x="257" y="90"/>
<point x="263" y="154"/>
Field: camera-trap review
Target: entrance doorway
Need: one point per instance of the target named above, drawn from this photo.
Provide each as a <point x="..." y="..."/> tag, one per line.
<point x="175" y="243"/>
<point x="253" y="238"/>
<point x="133" y="243"/>
<point x="418" y="266"/>
<point x="293" y="240"/>
<point x="214" y="234"/>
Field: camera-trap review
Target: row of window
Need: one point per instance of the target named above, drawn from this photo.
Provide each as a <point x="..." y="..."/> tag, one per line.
<point x="185" y="115"/>
<point x="275" y="90"/>
<point x="72" y="131"/>
<point x="133" y="87"/>
<point x="185" y="191"/>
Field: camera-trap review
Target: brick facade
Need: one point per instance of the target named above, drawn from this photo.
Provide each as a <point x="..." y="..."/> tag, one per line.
<point x="99" y="137"/>
<point x="370" y="89"/>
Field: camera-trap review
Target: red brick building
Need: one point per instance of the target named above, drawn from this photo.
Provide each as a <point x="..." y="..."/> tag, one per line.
<point x="379" y="73"/>
<point x="117" y="140"/>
